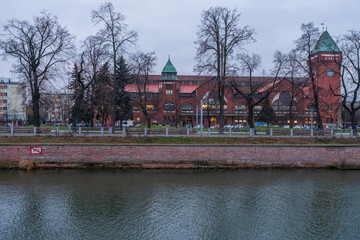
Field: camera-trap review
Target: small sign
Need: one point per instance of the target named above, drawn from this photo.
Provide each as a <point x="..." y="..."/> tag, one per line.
<point x="35" y="150"/>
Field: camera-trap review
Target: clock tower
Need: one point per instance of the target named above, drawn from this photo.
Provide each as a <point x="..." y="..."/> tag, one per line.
<point x="326" y="59"/>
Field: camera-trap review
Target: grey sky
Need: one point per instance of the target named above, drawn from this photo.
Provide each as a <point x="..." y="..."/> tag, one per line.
<point x="169" y="27"/>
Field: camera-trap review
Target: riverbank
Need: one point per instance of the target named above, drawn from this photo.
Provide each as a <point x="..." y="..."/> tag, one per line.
<point x="45" y="153"/>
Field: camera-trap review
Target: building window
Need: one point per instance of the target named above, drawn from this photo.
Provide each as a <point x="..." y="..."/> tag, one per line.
<point x="187" y="107"/>
<point x="5" y="87"/>
<point x="4" y="108"/>
<point x="150" y="107"/>
<point x="283" y="102"/>
<point x="5" y="93"/>
<point x="169" y="106"/>
<point x="240" y="108"/>
<point x="5" y="101"/>
<point x="135" y="109"/>
<point x="169" y="89"/>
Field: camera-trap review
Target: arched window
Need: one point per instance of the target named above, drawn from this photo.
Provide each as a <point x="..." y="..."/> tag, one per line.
<point x="187" y="107"/>
<point x="169" y="106"/>
<point x="282" y="102"/>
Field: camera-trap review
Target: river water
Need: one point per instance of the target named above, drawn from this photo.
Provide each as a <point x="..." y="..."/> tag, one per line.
<point x="243" y="204"/>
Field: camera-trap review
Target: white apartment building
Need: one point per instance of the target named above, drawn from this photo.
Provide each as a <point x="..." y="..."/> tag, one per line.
<point x="12" y="102"/>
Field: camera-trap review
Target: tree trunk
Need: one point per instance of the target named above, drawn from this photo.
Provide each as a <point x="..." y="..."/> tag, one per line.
<point x="36" y="111"/>
<point x="250" y="117"/>
<point x="221" y="115"/>
<point x="353" y="122"/>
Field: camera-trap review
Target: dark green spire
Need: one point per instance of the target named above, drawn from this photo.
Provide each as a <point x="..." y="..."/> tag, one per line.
<point x="169" y="72"/>
<point x="325" y="44"/>
<point x="169" y="67"/>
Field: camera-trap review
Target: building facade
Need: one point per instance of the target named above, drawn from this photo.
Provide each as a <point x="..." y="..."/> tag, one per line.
<point x="55" y="108"/>
<point x="12" y="102"/>
<point x="175" y="100"/>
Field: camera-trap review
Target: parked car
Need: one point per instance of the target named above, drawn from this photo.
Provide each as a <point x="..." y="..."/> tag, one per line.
<point x="239" y="125"/>
<point x="215" y="127"/>
<point x="286" y="126"/>
<point x="228" y="126"/>
<point x="198" y="126"/>
<point x="297" y="127"/>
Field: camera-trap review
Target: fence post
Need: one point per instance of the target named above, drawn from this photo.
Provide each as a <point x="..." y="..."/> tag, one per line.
<point x="187" y="132"/>
<point x="102" y="131"/>
<point x="167" y="132"/>
<point x="69" y="128"/>
<point x="351" y="133"/>
<point x="12" y="130"/>
<point x="79" y="131"/>
<point x="291" y="132"/>
<point x="229" y="132"/>
<point x="311" y="132"/>
<point x="110" y="130"/>
<point x="57" y="131"/>
<point x="209" y="132"/>
<point x="124" y="132"/>
<point x="271" y="132"/>
<point x="145" y="132"/>
<point x="35" y="131"/>
<point x="332" y="133"/>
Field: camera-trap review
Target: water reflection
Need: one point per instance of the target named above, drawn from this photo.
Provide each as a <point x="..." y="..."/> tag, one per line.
<point x="244" y="204"/>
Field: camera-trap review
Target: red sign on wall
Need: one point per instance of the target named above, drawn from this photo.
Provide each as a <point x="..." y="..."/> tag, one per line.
<point x="35" y="150"/>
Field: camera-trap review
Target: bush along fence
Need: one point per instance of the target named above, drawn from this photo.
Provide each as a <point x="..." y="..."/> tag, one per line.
<point x="146" y="132"/>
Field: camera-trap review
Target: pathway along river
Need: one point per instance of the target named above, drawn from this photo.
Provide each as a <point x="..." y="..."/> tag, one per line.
<point x="243" y="204"/>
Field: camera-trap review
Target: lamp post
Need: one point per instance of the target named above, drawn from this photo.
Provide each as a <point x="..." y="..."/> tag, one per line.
<point x="201" y="117"/>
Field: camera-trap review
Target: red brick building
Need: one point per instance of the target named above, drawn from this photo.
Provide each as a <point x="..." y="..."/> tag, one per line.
<point x="174" y="99"/>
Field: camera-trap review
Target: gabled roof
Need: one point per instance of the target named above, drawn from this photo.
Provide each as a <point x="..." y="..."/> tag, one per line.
<point x="325" y="44"/>
<point x="169" y="68"/>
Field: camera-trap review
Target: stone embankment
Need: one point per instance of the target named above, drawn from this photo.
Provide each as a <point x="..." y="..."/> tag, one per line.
<point x="30" y="156"/>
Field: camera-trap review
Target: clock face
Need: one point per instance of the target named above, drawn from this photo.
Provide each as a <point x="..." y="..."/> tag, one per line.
<point x="330" y="72"/>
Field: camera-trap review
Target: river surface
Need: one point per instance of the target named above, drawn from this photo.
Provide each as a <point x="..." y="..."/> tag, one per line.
<point x="243" y="204"/>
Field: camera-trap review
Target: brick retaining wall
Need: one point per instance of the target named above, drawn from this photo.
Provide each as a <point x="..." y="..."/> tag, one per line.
<point x="178" y="156"/>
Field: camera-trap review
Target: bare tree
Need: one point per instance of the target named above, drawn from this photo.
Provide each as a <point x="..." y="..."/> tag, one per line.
<point x="142" y="65"/>
<point x="254" y="92"/>
<point x="350" y="75"/>
<point x="303" y="51"/>
<point x="79" y="85"/>
<point x="297" y="84"/>
<point x="37" y="48"/>
<point x="219" y="39"/>
<point x="95" y="54"/>
<point x="115" y="35"/>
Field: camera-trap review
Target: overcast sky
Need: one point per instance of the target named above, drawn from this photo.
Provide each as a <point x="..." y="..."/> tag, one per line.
<point x="169" y="27"/>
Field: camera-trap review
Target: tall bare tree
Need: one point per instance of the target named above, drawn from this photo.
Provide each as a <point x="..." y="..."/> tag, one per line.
<point x="220" y="38"/>
<point x="142" y="66"/>
<point x="38" y="48"/>
<point x="115" y="35"/>
<point x="303" y="50"/>
<point x="255" y="91"/>
<point x="350" y="75"/>
<point x="79" y="85"/>
<point x="95" y="55"/>
<point x="297" y="84"/>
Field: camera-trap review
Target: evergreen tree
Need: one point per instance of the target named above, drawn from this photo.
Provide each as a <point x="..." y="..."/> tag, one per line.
<point x="102" y="98"/>
<point x="267" y="114"/>
<point x="122" y="99"/>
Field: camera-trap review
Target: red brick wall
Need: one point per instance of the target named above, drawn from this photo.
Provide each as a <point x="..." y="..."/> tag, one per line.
<point x="147" y="156"/>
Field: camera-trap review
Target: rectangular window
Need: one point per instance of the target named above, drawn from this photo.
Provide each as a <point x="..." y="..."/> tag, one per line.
<point x="5" y="93"/>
